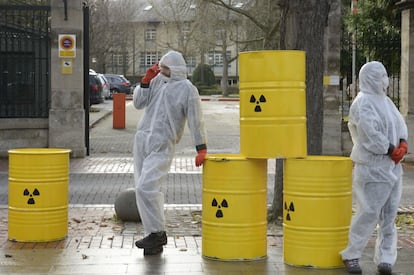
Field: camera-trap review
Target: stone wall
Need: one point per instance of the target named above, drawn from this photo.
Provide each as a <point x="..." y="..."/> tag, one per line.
<point x="407" y="70"/>
<point x="19" y="132"/>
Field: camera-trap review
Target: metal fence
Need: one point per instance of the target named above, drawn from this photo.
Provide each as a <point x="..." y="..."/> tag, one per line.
<point x="368" y="48"/>
<point x="24" y="61"/>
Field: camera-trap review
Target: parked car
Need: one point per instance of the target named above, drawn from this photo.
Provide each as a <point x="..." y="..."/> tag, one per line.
<point x="133" y="86"/>
<point x="95" y="88"/>
<point x="118" y="84"/>
<point x="106" y="86"/>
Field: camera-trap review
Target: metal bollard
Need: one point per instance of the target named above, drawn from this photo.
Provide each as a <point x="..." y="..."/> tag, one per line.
<point x="118" y="111"/>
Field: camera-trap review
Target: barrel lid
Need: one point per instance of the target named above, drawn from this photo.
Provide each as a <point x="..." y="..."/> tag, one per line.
<point x="321" y="158"/>
<point x="39" y="151"/>
<point x="225" y="157"/>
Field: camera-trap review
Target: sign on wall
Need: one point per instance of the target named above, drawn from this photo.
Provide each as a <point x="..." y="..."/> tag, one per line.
<point x="67" y="45"/>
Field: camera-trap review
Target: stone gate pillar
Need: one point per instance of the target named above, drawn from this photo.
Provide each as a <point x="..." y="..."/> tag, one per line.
<point x="407" y="70"/>
<point x="66" y="114"/>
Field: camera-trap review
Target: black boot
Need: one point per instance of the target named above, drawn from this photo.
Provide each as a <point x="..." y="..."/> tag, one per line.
<point x="153" y="240"/>
<point x="352" y="266"/>
<point x="385" y="269"/>
<point x="153" y="251"/>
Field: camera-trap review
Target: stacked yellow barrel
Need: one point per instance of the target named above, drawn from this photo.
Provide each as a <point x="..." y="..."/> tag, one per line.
<point x="317" y="189"/>
<point x="272" y="104"/>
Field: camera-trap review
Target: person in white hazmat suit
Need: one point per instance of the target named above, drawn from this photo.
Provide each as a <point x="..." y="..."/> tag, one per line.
<point x="379" y="134"/>
<point x="170" y="100"/>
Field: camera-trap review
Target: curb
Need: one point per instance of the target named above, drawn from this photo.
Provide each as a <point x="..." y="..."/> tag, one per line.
<point x="203" y="98"/>
<point x="219" y="99"/>
<point x="92" y="123"/>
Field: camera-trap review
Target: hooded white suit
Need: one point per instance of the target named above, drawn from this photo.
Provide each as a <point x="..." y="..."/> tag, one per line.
<point x="169" y="102"/>
<point x="374" y="124"/>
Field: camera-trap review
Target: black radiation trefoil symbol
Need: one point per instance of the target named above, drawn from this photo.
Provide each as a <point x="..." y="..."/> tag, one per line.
<point x="290" y="209"/>
<point x="219" y="212"/>
<point x="253" y="99"/>
<point x="31" y="199"/>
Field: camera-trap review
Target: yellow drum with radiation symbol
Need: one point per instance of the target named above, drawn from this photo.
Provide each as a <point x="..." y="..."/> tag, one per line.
<point x="317" y="210"/>
<point x="234" y="222"/>
<point x="38" y="194"/>
<point x="273" y="104"/>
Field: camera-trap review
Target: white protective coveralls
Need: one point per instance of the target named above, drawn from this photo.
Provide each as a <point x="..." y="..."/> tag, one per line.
<point x="169" y="102"/>
<point x="374" y="124"/>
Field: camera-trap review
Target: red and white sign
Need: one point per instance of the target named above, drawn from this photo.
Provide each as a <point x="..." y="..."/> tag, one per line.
<point x="67" y="45"/>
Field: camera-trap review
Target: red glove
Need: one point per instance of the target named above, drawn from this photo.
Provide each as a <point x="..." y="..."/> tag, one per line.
<point x="151" y="73"/>
<point x="397" y="154"/>
<point x="201" y="155"/>
<point x="403" y="146"/>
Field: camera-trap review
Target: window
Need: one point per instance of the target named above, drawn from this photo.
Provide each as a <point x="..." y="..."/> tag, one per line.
<point x="149" y="58"/>
<point x="119" y="59"/>
<point x="150" y="34"/>
<point x="191" y="61"/>
<point x="215" y="59"/>
<point x="117" y="63"/>
<point x="185" y="31"/>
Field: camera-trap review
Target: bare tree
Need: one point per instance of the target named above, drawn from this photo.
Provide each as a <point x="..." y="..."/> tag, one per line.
<point x="98" y="32"/>
<point x="200" y="27"/>
<point x="235" y="17"/>
<point x="122" y="13"/>
<point x="265" y="18"/>
<point x="219" y="31"/>
<point x="180" y="14"/>
<point x="109" y="34"/>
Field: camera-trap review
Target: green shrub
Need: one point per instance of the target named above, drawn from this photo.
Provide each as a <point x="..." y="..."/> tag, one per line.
<point x="203" y="75"/>
<point x="234" y="89"/>
<point x="208" y="90"/>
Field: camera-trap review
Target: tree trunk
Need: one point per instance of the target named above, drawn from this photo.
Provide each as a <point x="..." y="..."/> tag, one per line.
<point x="277" y="203"/>
<point x="202" y="61"/>
<point x="225" y="77"/>
<point x="302" y="28"/>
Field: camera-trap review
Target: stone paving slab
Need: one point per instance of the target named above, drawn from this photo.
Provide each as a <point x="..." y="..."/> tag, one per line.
<point x="171" y="262"/>
<point x="96" y="226"/>
<point x="104" y="188"/>
<point x="97" y="243"/>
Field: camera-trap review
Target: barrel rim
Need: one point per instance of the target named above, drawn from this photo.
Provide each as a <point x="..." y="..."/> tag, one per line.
<point x="38" y="151"/>
<point x="273" y="51"/>
<point x="225" y="157"/>
<point x="321" y="158"/>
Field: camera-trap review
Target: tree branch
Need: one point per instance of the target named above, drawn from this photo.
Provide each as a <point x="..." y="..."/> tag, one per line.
<point x="239" y="11"/>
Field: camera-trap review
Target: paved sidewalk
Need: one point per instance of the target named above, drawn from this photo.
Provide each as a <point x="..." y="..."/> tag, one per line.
<point x="97" y="243"/>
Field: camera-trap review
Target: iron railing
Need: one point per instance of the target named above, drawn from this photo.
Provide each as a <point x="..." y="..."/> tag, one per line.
<point x="369" y="48"/>
<point x="24" y="61"/>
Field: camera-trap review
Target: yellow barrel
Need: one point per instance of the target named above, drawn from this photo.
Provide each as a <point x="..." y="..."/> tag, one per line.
<point x="273" y="104"/>
<point x="38" y="194"/>
<point x="234" y="221"/>
<point x="317" y="210"/>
